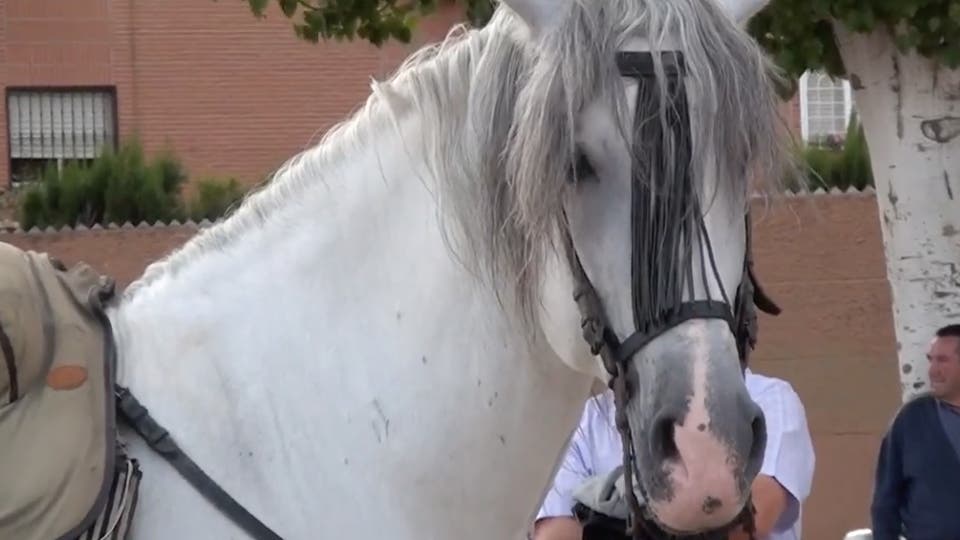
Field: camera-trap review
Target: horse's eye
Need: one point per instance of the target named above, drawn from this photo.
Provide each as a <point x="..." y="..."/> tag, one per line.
<point x="582" y="169"/>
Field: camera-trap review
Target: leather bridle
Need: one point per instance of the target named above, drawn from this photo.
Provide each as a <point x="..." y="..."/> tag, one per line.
<point x="740" y="314"/>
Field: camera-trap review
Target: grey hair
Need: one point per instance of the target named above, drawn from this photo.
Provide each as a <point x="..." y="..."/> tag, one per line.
<point x="500" y="113"/>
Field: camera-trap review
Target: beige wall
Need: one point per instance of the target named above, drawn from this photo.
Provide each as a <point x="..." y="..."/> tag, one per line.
<point x="820" y="258"/>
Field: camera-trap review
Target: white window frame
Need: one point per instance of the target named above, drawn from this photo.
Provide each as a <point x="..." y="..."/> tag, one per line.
<point x="804" y="114"/>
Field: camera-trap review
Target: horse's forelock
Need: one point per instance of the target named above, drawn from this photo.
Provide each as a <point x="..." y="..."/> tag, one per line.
<point x="735" y="110"/>
<point x="503" y="162"/>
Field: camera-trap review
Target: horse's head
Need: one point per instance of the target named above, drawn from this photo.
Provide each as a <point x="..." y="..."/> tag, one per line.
<point x="657" y="114"/>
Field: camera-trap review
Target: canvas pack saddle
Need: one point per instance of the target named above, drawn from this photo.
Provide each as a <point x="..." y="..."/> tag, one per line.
<point x="62" y="475"/>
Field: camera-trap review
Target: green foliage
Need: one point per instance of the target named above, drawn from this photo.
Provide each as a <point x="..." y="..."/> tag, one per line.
<point x="799" y="33"/>
<point x="214" y="198"/>
<point x="479" y="12"/>
<point x="117" y="187"/>
<point x="132" y="189"/>
<point x="838" y="164"/>
<point x="376" y="21"/>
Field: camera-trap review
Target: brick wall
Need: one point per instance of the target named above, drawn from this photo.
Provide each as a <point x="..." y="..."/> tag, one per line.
<point x="122" y="253"/>
<point x="820" y="258"/>
<point x="246" y="94"/>
<point x="53" y="43"/>
<point x="230" y="93"/>
<point x="48" y="43"/>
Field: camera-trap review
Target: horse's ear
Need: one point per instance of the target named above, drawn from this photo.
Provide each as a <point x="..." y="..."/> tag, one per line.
<point x="538" y="14"/>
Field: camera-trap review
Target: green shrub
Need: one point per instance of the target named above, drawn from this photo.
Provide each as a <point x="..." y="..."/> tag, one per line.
<point x="134" y="190"/>
<point x="118" y="186"/>
<point x="33" y="210"/>
<point x="855" y="160"/>
<point x="121" y="186"/>
<point x="841" y="166"/>
<point x="214" y="197"/>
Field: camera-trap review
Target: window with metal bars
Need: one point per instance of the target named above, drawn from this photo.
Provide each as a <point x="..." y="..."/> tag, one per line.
<point x="52" y="126"/>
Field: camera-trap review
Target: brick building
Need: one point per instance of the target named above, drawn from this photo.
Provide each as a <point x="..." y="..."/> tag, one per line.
<point x="229" y="93"/>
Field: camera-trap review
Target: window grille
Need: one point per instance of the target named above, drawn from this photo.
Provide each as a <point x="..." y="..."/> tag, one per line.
<point x="826" y="105"/>
<point x="60" y="124"/>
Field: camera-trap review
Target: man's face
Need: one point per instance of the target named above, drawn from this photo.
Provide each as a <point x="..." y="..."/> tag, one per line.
<point x="944" y="357"/>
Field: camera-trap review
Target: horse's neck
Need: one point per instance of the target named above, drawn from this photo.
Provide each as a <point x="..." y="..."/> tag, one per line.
<point x="351" y="270"/>
<point x="340" y="336"/>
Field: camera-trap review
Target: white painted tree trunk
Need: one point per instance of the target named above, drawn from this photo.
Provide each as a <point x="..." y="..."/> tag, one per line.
<point x="910" y="110"/>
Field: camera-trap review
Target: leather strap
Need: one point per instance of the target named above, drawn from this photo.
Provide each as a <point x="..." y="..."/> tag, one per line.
<point x="640" y="63"/>
<point x="7" y="349"/>
<point x="162" y="443"/>
<point x="694" y="309"/>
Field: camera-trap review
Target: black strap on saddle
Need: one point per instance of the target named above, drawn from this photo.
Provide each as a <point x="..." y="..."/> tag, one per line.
<point x="11" y="362"/>
<point x="162" y="443"/>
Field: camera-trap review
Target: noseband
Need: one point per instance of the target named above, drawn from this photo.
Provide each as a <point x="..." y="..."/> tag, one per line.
<point x="740" y="314"/>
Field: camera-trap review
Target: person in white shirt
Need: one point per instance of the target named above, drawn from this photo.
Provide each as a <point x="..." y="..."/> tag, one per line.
<point x="778" y="492"/>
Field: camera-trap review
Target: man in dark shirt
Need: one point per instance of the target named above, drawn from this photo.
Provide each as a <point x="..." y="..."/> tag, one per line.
<point x="917" y="491"/>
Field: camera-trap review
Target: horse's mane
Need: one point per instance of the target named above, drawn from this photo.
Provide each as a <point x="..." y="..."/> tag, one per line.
<point x="497" y="116"/>
<point x="425" y="83"/>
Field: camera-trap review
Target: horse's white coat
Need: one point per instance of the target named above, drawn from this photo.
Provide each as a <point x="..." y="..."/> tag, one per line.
<point x="340" y="384"/>
<point x="341" y="375"/>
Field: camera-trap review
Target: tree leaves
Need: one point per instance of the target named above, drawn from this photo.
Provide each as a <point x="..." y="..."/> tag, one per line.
<point x="376" y="21"/>
<point x="289" y="7"/>
<point x="258" y="6"/>
<point x="799" y="33"/>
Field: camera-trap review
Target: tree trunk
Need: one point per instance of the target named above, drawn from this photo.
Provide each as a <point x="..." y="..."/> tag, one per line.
<point x="910" y="110"/>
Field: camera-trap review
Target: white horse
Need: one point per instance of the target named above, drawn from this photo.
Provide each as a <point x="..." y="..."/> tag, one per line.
<point x="382" y="342"/>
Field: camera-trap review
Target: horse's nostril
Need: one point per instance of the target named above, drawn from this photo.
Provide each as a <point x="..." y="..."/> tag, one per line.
<point x="758" y="429"/>
<point x="664" y="443"/>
